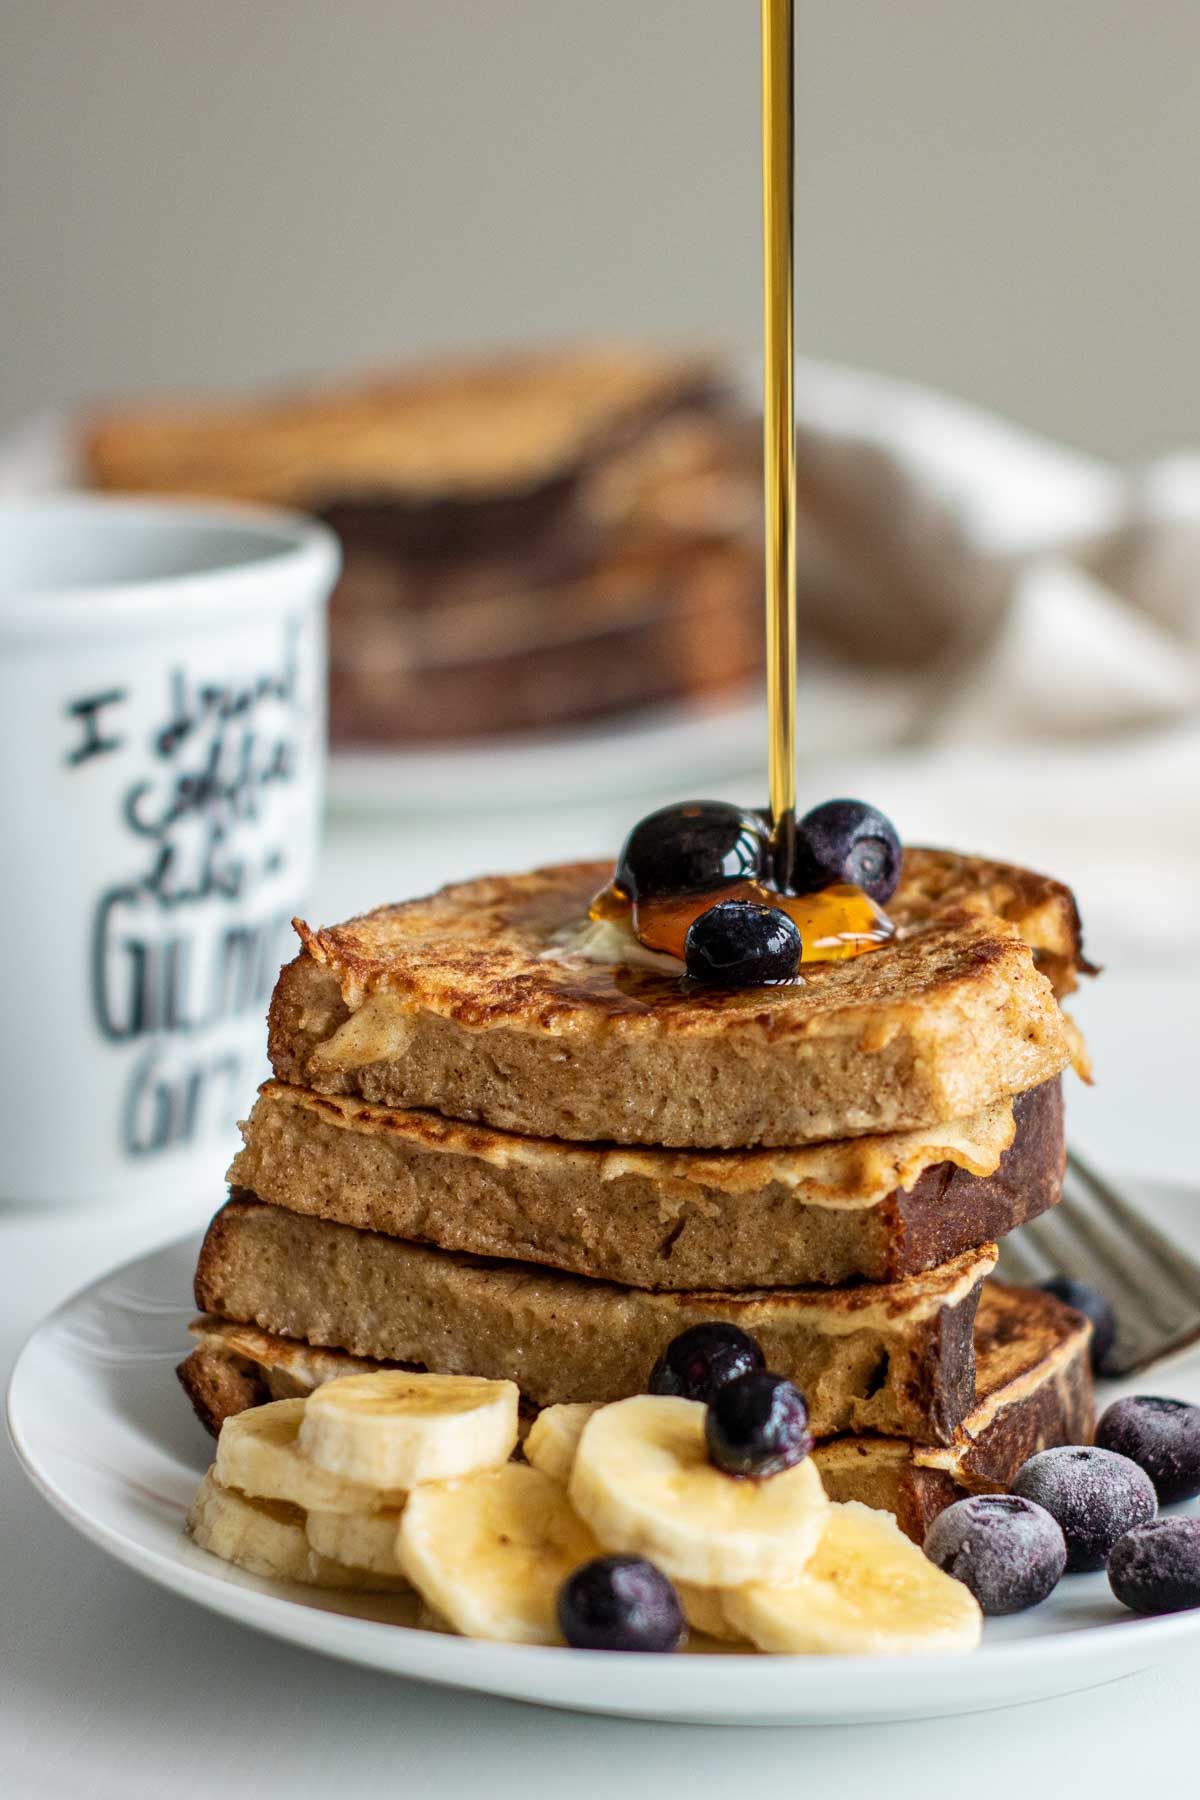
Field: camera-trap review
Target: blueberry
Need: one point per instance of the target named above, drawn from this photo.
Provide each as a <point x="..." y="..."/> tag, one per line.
<point x="691" y="848"/>
<point x="1160" y="1436"/>
<point x="704" y="1358"/>
<point x="845" y="840"/>
<point x="757" y="1426"/>
<point x="1094" y="1306"/>
<point x="1095" y="1496"/>
<point x="1007" y="1550"/>
<point x="620" y="1603"/>
<point x="738" y="943"/>
<point x="1155" y="1568"/>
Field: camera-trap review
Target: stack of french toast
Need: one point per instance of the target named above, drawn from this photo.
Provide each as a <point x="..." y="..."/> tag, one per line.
<point x="492" y="1148"/>
<point x="529" y="540"/>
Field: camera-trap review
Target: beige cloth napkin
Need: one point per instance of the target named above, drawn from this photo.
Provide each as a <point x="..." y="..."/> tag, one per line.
<point x="1005" y="589"/>
<point x="1003" y="648"/>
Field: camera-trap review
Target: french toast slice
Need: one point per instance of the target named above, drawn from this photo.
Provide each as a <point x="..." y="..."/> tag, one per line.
<point x="415" y="660"/>
<point x="869" y="1208"/>
<point x="896" y="1358"/>
<point x="464" y="1003"/>
<point x="502" y="426"/>
<point x="1034" y="1390"/>
<point x="529" y="540"/>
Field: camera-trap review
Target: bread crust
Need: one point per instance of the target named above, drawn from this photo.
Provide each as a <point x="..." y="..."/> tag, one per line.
<point x="220" y="1383"/>
<point x="1034" y="1390"/>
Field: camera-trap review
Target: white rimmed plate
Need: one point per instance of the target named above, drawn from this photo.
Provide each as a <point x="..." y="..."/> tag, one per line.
<point x="102" y="1429"/>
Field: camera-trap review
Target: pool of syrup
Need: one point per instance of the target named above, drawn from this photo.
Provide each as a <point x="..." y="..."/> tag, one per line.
<point x="836" y="923"/>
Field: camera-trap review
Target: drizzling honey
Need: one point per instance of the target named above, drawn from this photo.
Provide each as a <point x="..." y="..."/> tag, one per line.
<point x="838" y="921"/>
<point x="779" y="429"/>
<point x="834" y="924"/>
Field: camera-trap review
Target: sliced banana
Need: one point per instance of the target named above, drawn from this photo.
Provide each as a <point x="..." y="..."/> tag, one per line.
<point x="259" y="1453"/>
<point x="868" y="1590"/>
<point x="643" y="1482"/>
<point x="704" y="1610"/>
<point x="267" y="1537"/>
<point x="554" y="1437"/>
<point x="359" y="1540"/>
<point x="490" y="1551"/>
<point x="393" y="1430"/>
<point x="264" y="1536"/>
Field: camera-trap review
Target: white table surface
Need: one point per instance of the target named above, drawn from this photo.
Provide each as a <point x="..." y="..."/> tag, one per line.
<point x="110" y="1687"/>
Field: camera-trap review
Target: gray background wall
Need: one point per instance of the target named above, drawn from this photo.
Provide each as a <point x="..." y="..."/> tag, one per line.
<point x="998" y="198"/>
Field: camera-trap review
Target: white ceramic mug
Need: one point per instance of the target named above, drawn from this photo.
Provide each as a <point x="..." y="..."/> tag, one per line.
<point x="162" y="715"/>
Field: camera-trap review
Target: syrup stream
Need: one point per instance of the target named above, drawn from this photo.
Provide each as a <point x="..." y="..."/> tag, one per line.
<point x="779" y="430"/>
<point x="838" y="921"/>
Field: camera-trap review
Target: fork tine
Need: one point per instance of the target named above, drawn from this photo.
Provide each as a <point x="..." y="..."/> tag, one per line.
<point x="1119" y="1272"/>
<point x="1098" y="1235"/>
<point x="1171" y="1306"/>
<point x="1140" y="1331"/>
<point x="1172" y="1259"/>
<point x="1160" y="1353"/>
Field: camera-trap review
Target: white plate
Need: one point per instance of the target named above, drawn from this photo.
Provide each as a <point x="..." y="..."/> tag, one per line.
<point x="102" y="1428"/>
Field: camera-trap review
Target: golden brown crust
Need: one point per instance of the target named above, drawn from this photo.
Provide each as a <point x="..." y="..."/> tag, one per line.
<point x="1044" y="911"/>
<point x="896" y="1358"/>
<point x="508" y="422"/>
<point x="219" y="1383"/>
<point x="481" y="953"/>
<point x="460" y="1002"/>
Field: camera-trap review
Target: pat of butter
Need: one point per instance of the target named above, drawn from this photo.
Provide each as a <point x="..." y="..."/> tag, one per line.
<point x="611" y="942"/>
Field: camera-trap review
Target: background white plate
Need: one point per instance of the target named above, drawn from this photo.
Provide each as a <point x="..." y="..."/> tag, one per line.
<point x="102" y="1429"/>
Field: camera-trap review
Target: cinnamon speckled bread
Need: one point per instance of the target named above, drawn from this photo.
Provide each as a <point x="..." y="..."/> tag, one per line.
<point x="463" y="1003"/>
<point x="896" y="1358"/>
<point x="873" y="1208"/>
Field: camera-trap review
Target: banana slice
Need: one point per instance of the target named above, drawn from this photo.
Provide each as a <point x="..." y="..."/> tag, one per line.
<point x="259" y="1453"/>
<point x="489" y="1552"/>
<point x="267" y="1537"/>
<point x="868" y="1590"/>
<point x="393" y="1430"/>
<point x="643" y="1482"/>
<point x="359" y="1540"/>
<point x="554" y="1438"/>
<point x="704" y="1610"/>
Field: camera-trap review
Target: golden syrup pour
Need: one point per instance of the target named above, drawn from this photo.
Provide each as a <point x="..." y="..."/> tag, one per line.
<point x="836" y="923"/>
<point x="839" y="921"/>
<point x="779" y="428"/>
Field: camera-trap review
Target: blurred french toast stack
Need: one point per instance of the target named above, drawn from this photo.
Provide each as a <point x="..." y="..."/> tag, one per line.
<point x="489" y="1150"/>
<point x="530" y="541"/>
